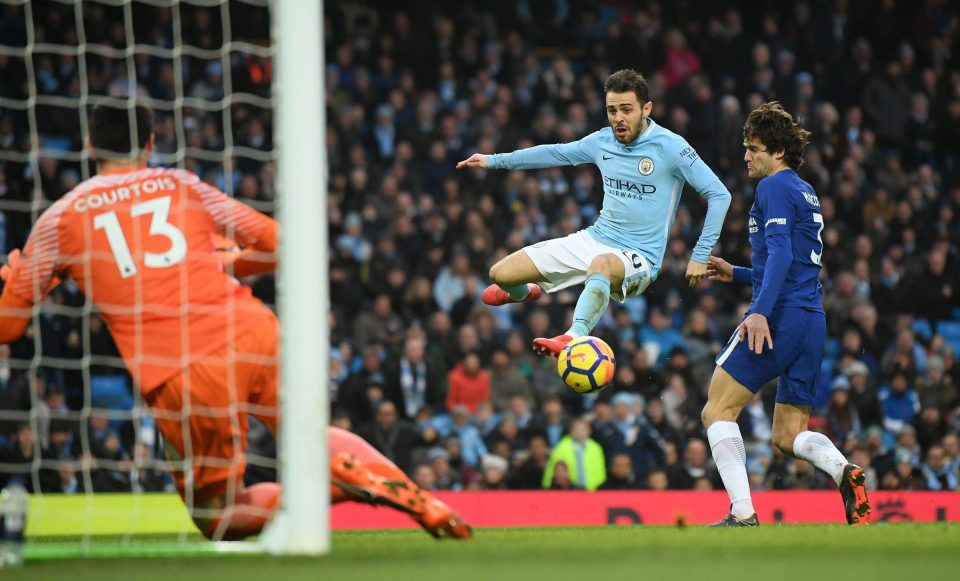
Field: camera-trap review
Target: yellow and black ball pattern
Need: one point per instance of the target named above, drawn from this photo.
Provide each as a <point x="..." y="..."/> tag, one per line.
<point x="586" y="364"/>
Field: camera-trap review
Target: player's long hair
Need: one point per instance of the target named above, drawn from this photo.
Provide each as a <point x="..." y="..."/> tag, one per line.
<point x="777" y="131"/>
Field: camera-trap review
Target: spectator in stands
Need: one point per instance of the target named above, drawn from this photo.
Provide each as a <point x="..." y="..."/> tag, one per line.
<point x="842" y="417"/>
<point x="660" y="332"/>
<point x="684" y="475"/>
<point x="353" y="394"/>
<point x="551" y="422"/>
<point x="507" y="381"/>
<point x="52" y="404"/>
<point x="649" y="381"/>
<point x="657" y="480"/>
<point x="487" y="421"/>
<point x="632" y="435"/>
<point x="560" y="478"/>
<point x="112" y="464"/>
<point x="937" y="472"/>
<point x="908" y="473"/>
<point x="528" y="474"/>
<point x="936" y="389"/>
<point x="493" y="473"/>
<point x="899" y="402"/>
<point x="446" y="477"/>
<point x="519" y="410"/>
<point x="934" y="292"/>
<point x="951" y="450"/>
<point x="411" y="380"/>
<point x="862" y="394"/>
<point x="657" y="420"/>
<point x="620" y="475"/>
<point x="19" y="454"/>
<point x="930" y="427"/>
<point x="373" y="325"/>
<point x="469" y="383"/>
<point x="61" y="448"/>
<point x="472" y="448"/>
<point x="424" y="476"/>
<point x="580" y="455"/>
<point x="393" y="437"/>
<point x="852" y="345"/>
<point x="904" y="355"/>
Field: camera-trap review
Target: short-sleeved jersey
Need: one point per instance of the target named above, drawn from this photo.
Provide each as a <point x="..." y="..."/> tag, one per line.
<point x="642" y="183"/>
<point x="785" y="224"/>
<point x="139" y="244"/>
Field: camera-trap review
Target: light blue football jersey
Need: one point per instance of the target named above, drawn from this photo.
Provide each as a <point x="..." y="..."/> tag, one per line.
<point x="642" y="182"/>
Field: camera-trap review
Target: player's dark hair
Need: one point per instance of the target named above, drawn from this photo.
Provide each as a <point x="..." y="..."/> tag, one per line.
<point x="777" y="131"/>
<point x="111" y="133"/>
<point x="626" y="80"/>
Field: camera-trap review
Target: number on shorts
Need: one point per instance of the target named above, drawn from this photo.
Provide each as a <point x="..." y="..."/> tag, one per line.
<point x="634" y="257"/>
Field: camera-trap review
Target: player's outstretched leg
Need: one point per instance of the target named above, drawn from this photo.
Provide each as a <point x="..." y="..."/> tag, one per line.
<point x="818" y="450"/>
<point x="496" y="295"/>
<point x="360" y="473"/>
<point x="592" y="303"/>
<point x="590" y="307"/>
<point x="513" y="279"/>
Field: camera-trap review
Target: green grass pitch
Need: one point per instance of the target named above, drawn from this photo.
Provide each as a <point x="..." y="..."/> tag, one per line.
<point x="880" y="551"/>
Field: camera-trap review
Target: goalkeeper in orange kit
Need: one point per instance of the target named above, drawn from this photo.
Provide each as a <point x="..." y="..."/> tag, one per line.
<point x="139" y="242"/>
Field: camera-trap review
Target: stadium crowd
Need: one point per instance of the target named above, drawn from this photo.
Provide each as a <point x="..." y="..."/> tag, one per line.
<point x="447" y="387"/>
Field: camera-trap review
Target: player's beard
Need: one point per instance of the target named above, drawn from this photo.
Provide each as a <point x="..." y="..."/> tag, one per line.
<point x="633" y="132"/>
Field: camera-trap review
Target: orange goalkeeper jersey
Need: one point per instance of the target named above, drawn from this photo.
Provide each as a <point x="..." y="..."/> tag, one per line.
<point x="139" y="244"/>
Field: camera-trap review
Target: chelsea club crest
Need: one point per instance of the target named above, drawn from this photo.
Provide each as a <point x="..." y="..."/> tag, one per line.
<point x="645" y="166"/>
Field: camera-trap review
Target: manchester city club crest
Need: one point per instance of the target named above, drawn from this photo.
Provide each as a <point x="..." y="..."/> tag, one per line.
<point x="645" y="166"/>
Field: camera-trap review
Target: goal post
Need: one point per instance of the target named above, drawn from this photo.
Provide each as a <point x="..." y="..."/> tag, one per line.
<point x="217" y="81"/>
<point x="301" y="525"/>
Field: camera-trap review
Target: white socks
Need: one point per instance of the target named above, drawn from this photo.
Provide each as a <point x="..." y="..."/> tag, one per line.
<point x="818" y="450"/>
<point x="731" y="459"/>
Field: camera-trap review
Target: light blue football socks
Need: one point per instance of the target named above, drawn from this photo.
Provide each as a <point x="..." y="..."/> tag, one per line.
<point x="517" y="292"/>
<point x="591" y="305"/>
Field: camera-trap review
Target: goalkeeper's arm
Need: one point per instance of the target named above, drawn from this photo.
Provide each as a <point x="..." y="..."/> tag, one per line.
<point x="14" y="316"/>
<point x="15" y="310"/>
<point x="257" y="258"/>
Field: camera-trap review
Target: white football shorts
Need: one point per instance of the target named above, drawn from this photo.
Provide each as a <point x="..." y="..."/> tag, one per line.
<point x="563" y="262"/>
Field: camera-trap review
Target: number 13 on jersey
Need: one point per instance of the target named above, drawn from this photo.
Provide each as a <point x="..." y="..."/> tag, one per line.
<point x="159" y="211"/>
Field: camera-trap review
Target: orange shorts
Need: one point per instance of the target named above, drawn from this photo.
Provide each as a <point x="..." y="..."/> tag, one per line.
<point x="202" y="412"/>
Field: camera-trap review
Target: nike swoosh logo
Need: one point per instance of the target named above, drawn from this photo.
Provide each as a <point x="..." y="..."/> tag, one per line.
<point x="605" y="158"/>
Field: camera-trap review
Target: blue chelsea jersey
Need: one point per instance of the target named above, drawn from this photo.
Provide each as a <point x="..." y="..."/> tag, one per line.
<point x="785" y="227"/>
<point x="642" y="182"/>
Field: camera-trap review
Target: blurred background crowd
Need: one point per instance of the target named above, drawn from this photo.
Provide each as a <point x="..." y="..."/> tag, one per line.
<point x="447" y="387"/>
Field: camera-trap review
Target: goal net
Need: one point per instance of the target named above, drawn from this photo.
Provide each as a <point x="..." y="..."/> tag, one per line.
<point x="242" y="111"/>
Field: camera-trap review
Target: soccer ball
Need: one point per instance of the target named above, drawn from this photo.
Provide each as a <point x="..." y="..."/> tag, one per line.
<point x="586" y="364"/>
